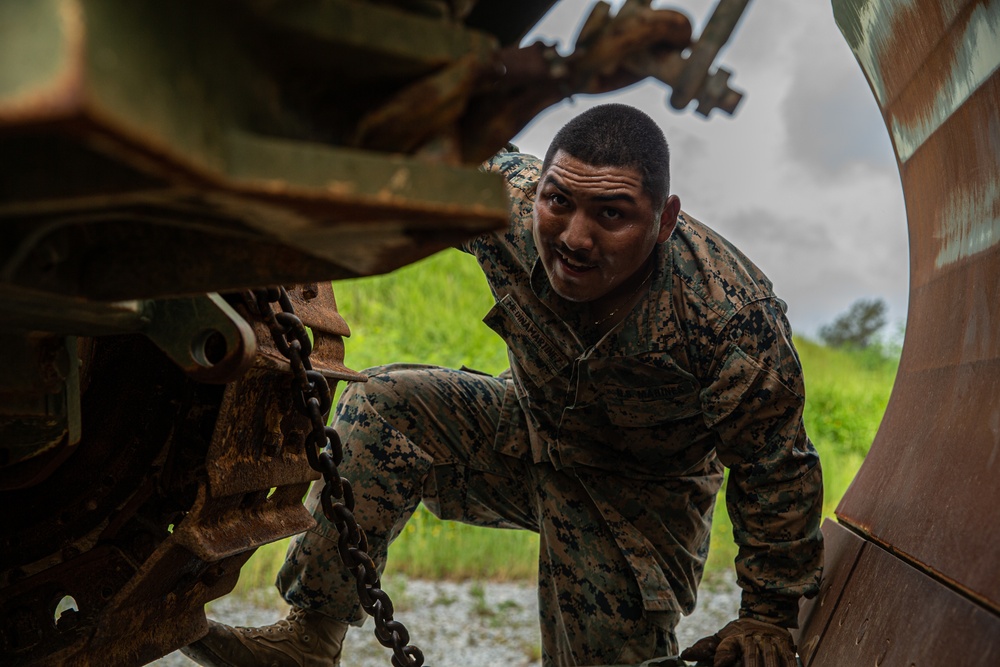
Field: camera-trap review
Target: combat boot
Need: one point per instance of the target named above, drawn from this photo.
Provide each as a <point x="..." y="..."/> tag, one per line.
<point x="303" y="639"/>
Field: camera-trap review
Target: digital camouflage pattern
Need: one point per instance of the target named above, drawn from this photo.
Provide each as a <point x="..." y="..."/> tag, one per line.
<point x="610" y="446"/>
<point x="702" y="371"/>
<point x="425" y="433"/>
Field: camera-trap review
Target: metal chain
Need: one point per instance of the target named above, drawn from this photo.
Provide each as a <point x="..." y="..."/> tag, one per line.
<point x="325" y="452"/>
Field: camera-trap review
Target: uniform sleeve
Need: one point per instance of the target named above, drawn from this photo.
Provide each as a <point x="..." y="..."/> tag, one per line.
<point x="520" y="172"/>
<point x="754" y="401"/>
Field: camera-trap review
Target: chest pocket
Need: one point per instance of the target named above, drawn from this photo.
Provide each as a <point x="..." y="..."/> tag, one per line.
<point x="534" y="351"/>
<point x="636" y="416"/>
<point x="640" y="391"/>
<point x="649" y="406"/>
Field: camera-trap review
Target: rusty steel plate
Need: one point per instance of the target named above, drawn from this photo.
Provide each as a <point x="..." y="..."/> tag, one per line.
<point x="842" y="549"/>
<point x="922" y="585"/>
<point x="928" y="489"/>
<point x="892" y="615"/>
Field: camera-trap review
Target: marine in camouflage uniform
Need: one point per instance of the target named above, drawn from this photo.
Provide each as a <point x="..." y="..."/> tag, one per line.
<point x="611" y="450"/>
<point x="609" y="441"/>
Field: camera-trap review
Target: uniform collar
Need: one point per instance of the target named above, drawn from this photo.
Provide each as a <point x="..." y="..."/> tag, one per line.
<point x="638" y="331"/>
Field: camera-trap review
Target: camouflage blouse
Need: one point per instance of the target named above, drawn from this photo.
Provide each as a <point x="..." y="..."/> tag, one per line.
<point x="701" y="373"/>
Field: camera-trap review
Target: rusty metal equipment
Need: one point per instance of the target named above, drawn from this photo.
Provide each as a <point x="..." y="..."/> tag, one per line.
<point x="172" y="485"/>
<point x="155" y="158"/>
<point x="324" y="450"/>
<point x="912" y="574"/>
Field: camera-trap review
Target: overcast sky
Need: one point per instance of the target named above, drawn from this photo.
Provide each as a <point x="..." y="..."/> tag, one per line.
<point x="802" y="178"/>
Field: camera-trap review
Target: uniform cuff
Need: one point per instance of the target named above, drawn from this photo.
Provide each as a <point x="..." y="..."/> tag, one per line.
<point x="780" y="610"/>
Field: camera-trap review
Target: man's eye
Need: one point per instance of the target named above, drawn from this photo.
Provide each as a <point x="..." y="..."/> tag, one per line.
<point x="612" y="213"/>
<point x="558" y="199"/>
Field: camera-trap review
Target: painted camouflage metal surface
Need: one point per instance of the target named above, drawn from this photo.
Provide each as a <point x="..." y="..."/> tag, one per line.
<point x="925" y="502"/>
<point x="150" y="149"/>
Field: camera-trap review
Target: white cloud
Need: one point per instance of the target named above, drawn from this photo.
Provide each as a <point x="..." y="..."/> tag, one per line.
<point x="831" y="116"/>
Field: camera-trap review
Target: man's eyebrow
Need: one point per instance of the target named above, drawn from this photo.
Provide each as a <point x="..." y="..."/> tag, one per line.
<point x="549" y="178"/>
<point x="615" y="197"/>
<point x="619" y="196"/>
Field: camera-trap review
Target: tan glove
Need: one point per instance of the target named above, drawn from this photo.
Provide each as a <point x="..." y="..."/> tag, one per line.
<point x="760" y="644"/>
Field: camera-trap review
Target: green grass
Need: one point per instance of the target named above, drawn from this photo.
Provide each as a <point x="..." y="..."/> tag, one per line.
<point x="430" y="313"/>
<point x="432" y="549"/>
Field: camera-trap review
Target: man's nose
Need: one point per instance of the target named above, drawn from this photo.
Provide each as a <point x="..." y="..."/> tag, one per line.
<point x="577" y="234"/>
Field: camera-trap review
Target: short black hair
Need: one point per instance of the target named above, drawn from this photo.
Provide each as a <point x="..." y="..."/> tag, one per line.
<point x="617" y="135"/>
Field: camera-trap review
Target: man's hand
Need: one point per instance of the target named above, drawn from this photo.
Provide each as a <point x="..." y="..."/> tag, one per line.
<point x="760" y="644"/>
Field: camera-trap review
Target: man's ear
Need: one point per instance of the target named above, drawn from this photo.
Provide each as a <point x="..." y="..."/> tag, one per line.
<point x="668" y="219"/>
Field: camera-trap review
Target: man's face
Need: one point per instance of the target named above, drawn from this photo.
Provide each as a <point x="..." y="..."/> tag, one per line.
<point x="595" y="228"/>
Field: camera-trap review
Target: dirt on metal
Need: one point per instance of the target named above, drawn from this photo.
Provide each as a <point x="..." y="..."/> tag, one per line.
<point x="922" y="510"/>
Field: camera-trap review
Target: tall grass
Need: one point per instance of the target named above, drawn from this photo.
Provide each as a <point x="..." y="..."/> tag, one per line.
<point x="430" y="313"/>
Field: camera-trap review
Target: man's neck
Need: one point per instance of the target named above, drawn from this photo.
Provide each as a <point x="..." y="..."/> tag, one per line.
<point x="604" y="314"/>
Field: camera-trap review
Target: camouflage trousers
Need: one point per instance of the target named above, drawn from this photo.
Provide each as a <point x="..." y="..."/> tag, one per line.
<point x="425" y="434"/>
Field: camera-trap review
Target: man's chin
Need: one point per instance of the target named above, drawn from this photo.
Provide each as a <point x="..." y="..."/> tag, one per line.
<point x="572" y="295"/>
<point x="570" y="289"/>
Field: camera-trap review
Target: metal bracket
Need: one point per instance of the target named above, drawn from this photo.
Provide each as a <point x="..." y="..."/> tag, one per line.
<point x="204" y="335"/>
<point x="695" y="82"/>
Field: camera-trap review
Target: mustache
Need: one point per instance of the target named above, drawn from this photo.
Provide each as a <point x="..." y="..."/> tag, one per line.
<point x="574" y="255"/>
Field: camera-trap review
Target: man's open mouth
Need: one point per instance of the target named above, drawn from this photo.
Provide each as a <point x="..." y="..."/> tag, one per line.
<point x="573" y="265"/>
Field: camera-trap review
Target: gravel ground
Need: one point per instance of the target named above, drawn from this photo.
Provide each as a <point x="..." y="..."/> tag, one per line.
<point x="463" y="624"/>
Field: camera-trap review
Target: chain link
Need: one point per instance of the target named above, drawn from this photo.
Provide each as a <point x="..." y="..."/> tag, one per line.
<point x="325" y="452"/>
